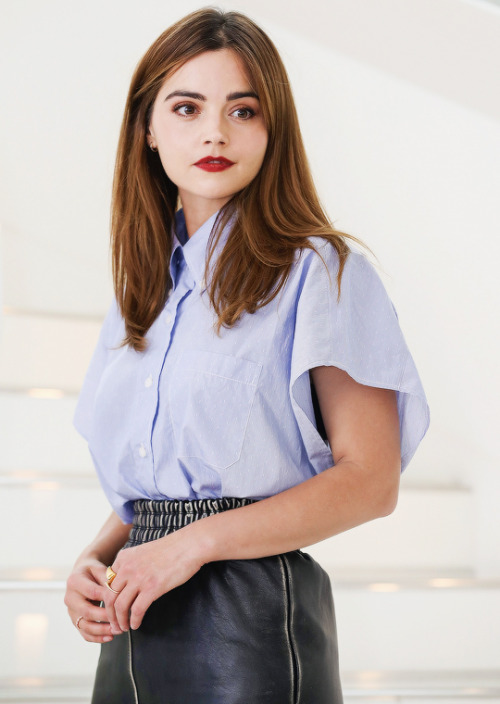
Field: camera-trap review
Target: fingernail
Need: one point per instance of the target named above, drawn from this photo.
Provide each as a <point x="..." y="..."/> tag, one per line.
<point x="115" y="631"/>
<point x="106" y="639"/>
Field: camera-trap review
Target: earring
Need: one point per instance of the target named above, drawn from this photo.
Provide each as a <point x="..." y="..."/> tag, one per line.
<point x="152" y="147"/>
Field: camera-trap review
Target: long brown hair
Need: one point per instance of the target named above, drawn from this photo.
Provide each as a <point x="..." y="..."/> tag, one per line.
<point x="273" y="217"/>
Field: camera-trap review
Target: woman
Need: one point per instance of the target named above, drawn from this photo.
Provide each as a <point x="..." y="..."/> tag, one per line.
<point x="251" y="392"/>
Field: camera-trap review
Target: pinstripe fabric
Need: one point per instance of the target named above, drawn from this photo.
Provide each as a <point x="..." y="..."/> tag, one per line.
<point x="203" y="415"/>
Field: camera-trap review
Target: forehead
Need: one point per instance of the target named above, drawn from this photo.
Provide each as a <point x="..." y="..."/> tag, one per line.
<point x="221" y="69"/>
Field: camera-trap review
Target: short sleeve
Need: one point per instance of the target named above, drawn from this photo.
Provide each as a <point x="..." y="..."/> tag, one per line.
<point x="358" y="333"/>
<point x="82" y="419"/>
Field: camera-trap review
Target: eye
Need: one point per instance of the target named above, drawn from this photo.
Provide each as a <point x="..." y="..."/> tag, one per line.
<point x="185" y="109"/>
<point x="243" y="113"/>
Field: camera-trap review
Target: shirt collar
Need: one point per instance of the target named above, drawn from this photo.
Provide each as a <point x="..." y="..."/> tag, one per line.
<point x="194" y="248"/>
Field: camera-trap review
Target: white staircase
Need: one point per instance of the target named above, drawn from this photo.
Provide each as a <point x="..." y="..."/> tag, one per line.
<point x="415" y="622"/>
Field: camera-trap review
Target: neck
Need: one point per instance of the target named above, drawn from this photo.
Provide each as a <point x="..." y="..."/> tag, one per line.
<point x="195" y="214"/>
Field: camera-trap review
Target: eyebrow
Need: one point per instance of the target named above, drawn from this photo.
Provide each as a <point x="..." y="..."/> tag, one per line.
<point x="198" y="96"/>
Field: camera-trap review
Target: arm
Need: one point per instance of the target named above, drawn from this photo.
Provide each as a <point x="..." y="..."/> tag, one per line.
<point x="363" y="429"/>
<point x="86" y="582"/>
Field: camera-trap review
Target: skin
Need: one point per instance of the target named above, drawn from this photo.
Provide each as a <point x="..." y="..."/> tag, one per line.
<point x="361" y="422"/>
<point x="185" y="129"/>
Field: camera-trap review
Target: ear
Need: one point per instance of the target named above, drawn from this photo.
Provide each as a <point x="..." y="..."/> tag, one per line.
<point x="151" y="140"/>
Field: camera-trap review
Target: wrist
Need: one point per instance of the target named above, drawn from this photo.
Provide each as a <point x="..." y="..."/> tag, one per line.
<point x="90" y="555"/>
<point x="204" y="540"/>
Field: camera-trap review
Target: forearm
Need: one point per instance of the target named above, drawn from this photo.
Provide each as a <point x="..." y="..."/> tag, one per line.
<point x="334" y="501"/>
<point x="110" y="539"/>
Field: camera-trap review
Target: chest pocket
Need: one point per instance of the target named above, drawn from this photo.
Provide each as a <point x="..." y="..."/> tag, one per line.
<point x="211" y="396"/>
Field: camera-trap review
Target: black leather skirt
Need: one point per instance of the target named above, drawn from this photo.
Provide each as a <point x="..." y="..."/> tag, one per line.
<point x="238" y="632"/>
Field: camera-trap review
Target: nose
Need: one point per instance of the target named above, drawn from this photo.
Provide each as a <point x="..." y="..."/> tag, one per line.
<point x="215" y="130"/>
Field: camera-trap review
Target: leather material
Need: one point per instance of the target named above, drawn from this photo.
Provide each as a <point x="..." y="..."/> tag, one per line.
<point x="238" y="632"/>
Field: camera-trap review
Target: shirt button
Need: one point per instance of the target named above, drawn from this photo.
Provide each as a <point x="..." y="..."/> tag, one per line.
<point x="142" y="450"/>
<point x="149" y="381"/>
<point x="168" y="317"/>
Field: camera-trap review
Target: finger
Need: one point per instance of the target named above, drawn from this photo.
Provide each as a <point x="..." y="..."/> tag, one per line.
<point x="97" y="639"/>
<point x="91" y="630"/>
<point x="139" y="607"/>
<point x="95" y="632"/>
<point x="99" y="573"/>
<point x="119" y="621"/>
<point x="95" y="613"/>
<point x="82" y="584"/>
<point x="81" y="608"/>
<point x="78" y="604"/>
<point x="123" y="604"/>
<point x="109" y="604"/>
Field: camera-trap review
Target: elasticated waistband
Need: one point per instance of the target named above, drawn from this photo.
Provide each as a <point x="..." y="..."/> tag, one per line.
<point x="155" y="519"/>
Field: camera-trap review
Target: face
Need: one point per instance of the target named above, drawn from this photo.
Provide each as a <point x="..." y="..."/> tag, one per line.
<point x="208" y="127"/>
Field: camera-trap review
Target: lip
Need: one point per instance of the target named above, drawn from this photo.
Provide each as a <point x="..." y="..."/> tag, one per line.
<point x="214" y="163"/>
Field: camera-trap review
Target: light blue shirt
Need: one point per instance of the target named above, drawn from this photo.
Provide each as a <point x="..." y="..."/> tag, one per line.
<point x="199" y="415"/>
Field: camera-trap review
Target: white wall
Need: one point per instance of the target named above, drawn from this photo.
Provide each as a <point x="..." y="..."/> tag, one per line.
<point x="401" y="118"/>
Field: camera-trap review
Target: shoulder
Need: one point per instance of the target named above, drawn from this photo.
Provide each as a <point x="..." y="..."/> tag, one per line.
<point x="321" y="262"/>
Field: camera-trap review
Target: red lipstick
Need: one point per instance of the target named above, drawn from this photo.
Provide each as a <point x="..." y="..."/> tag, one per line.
<point x="214" y="163"/>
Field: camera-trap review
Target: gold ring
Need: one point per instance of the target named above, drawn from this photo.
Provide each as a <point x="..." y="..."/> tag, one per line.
<point x="111" y="588"/>
<point x="110" y="575"/>
<point x="77" y="624"/>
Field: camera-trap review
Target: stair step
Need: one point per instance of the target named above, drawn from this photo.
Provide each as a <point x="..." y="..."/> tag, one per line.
<point x="465" y="686"/>
<point x="37" y="434"/>
<point x="378" y="580"/>
<point x="50" y="525"/>
<point x="360" y="687"/>
<point x="74" y="509"/>
<point x="48" y="481"/>
<point x="454" y="628"/>
<point x="45" y="690"/>
<point x="421" y="628"/>
<point x="40" y="350"/>
<point x="404" y="539"/>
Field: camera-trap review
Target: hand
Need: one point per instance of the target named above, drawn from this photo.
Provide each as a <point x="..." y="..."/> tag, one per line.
<point x="85" y="589"/>
<point x="146" y="572"/>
